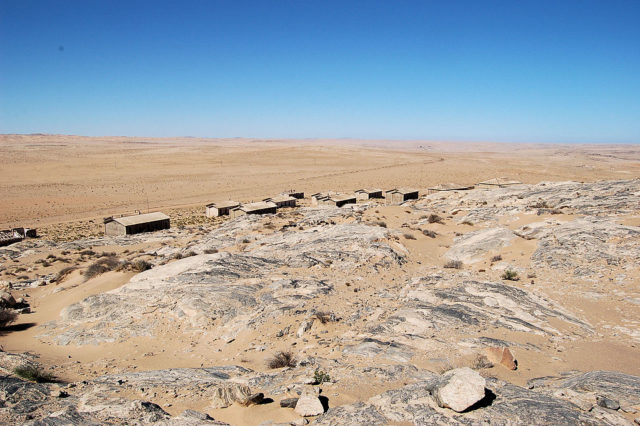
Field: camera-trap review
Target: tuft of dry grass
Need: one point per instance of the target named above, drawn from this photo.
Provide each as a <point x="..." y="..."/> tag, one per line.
<point x="64" y="273"/>
<point x="408" y="236"/>
<point x="429" y="233"/>
<point x="282" y="359"/>
<point x="453" y="264"/>
<point x="434" y="218"/>
<point x="7" y="317"/>
<point x="102" y="265"/>
<point x="496" y="258"/>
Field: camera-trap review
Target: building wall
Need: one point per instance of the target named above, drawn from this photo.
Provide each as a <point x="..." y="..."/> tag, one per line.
<point x="148" y="227"/>
<point x="114" y="228"/>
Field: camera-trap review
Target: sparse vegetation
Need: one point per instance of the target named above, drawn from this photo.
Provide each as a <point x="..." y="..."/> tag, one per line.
<point x="140" y="265"/>
<point x="496" y="258"/>
<point x="282" y="359"/>
<point x="453" y="264"/>
<point x="434" y="218"/>
<point x="408" y="236"/>
<point x="321" y="377"/>
<point x="481" y="361"/>
<point x="102" y="265"/>
<point x="33" y="374"/>
<point x="381" y="224"/>
<point x="429" y="233"/>
<point x="64" y="272"/>
<point x="467" y="222"/>
<point x="325" y="317"/>
<point x="177" y="255"/>
<point x="87" y="252"/>
<point x="210" y="251"/>
<point x="7" y="317"/>
<point x="510" y="275"/>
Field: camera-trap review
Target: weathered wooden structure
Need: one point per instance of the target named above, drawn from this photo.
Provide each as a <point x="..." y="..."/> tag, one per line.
<point x="10" y="236"/>
<point x="500" y="182"/>
<point x="261" y="207"/>
<point x="136" y="224"/>
<point x="368" y="193"/>
<point x="449" y="187"/>
<point x="282" y="201"/>
<point x="400" y="195"/>
<point x="332" y="199"/>
<point x="220" y="209"/>
<point x="298" y="195"/>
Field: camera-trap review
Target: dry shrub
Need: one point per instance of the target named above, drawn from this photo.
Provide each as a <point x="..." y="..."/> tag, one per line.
<point x="481" y="361"/>
<point x="64" y="272"/>
<point x="496" y="258"/>
<point x="434" y="218"/>
<point x="210" y="251"/>
<point x="102" y="265"/>
<point x="141" y="265"/>
<point x="429" y="233"/>
<point x="282" y="359"/>
<point x="453" y="264"/>
<point x="325" y="317"/>
<point x="409" y="236"/>
<point x="7" y="317"/>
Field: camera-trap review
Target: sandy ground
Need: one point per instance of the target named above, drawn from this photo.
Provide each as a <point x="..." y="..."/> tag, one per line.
<point x="50" y="179"/>
<point x="64" y="185"/>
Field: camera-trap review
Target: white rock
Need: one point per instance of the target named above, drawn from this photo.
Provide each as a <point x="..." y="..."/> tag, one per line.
<point x="309" y="404"/>
<point x="460" y="389"/>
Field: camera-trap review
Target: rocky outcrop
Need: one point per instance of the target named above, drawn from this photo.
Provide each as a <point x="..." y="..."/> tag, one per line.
<point x="472" y="246"/>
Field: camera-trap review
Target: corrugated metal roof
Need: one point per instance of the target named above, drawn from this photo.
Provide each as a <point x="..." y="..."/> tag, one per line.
<point x="140" y="218"/>
<point x="280" y="198"/>
<point x="224" y="204"/>
<point x="500" y="181"/>
<point x="403" y="190"/>
<point x="450" y="187"/>
<point x="369" y="190"/>
<point x="261" y="205"/>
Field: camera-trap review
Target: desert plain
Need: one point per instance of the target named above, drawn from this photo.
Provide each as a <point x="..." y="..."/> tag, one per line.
<point x="381" y="306"/>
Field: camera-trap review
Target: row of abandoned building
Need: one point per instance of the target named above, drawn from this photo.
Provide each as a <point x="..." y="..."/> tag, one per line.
<point x="157" y="221"/>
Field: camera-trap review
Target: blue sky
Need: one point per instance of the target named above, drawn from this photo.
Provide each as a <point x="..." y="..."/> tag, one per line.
<point x="529" y="71"/>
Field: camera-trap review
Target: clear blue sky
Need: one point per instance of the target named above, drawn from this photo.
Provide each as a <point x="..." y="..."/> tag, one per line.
<point x="548" y="71"/>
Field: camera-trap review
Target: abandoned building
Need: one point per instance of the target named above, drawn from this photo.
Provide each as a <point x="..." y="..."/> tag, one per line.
<point x="295" y="194"/>
<point x="10" y="236"/>
<point x="400" y="195"/>
<point x="220" y="209"/>
<point x="332" y="199"/>
<point x="262" y="207"/>
<point x="500" y="182"/>
<point x="282" y="201"/>
<point x="449" y="187"/>
<point x="136" y="224"/>
<point x="368" y="193"/>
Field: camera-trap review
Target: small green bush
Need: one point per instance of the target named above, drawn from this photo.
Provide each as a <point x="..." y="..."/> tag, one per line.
<point x="33" y="374"/>
<point x="321" y="377"/>
<point x="510" y="275"/>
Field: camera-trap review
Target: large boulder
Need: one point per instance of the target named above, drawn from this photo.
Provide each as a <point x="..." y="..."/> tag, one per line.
<point x="459" y="389"/>
<point x="309" y="404"/>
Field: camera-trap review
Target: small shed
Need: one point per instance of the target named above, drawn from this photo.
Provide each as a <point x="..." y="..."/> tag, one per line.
<point x="400" y="195"/>
<point x="332" y="199"/>
<point x="368" y="193"/>
<point x="500" y="182"/>
<point x="449" y="187"/>
<point x="282" y="201"/>
<point x="136" y="224"/>
<point x="262" y="207"/>
<point x="298" y="195"/>
<point x="220" y="209"/>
